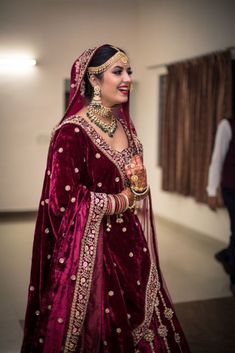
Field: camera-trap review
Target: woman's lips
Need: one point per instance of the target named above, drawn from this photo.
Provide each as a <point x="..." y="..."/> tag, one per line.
<point x="124" y="90"/>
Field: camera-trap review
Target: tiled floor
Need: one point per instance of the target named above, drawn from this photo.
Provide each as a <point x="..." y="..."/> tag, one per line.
<point x="186" y="258"/>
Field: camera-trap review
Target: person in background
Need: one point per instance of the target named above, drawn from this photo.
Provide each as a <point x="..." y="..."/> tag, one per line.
<point x="222" y="173"/>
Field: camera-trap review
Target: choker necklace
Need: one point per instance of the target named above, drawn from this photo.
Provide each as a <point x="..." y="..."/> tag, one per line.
<point x="97" y="110"/>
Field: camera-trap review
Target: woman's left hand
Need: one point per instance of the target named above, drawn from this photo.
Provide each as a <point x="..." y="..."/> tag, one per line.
<point x="136" y="172"/>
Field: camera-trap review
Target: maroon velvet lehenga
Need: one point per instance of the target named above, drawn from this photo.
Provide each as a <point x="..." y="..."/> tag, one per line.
<point x="94" y="291"/>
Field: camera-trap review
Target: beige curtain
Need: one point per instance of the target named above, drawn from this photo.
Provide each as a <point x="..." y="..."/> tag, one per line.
<point x="199" y="94"/>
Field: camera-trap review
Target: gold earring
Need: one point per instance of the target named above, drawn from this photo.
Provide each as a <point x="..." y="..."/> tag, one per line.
<point x="96" y="100"/>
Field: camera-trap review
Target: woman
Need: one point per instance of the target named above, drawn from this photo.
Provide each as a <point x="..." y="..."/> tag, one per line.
<point x="95" y="281"/>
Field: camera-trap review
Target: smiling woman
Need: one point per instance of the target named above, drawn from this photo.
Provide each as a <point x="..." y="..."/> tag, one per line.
<point x="96" y="284"/>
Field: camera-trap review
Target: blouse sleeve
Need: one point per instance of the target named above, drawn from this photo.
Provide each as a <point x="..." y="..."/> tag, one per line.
<point x="67" y="194"/>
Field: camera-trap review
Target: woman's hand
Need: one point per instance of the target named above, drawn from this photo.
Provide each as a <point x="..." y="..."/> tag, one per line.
<point x="136" y="173"/>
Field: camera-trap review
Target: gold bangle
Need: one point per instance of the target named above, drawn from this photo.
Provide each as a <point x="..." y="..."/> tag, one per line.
<point x="140" y="195"/>
<point x="138" y="189"/>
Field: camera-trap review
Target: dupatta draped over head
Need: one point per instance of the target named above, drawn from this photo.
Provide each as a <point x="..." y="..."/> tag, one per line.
<point x="91" y="290"/>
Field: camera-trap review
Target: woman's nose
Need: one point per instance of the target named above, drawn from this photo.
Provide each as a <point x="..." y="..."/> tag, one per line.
<point x="127" y="77"/>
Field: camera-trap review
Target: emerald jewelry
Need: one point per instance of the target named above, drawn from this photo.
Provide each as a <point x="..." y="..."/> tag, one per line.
<point x="96" y="110"/>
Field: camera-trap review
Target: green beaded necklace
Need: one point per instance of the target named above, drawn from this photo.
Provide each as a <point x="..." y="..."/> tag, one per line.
<point x="108" y="128"/>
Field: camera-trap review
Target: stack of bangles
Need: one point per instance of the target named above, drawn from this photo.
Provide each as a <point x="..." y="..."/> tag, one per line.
<point x="117" y="203"/>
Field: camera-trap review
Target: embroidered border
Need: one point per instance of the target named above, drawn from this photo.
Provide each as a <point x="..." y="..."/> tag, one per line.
<point x="115" y="156"/>
<point x="153" y="287"/>
<point x="82" y="289"/>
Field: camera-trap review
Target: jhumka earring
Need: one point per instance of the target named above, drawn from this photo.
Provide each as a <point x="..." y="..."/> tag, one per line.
<point x="96" y="100"/>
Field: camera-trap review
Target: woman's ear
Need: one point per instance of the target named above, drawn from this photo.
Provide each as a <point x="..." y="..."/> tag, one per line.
<point x="93" y="80"/>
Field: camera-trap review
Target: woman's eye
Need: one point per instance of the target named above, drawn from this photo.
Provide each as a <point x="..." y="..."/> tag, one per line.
<point x="117" y="72"/>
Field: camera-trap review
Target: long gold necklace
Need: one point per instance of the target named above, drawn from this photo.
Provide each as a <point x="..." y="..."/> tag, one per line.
<point x="95" y="111"/>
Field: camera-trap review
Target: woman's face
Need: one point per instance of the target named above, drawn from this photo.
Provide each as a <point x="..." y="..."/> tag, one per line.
<point x="115" y="84"/>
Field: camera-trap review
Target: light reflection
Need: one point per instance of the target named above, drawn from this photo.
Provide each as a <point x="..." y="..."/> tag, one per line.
<point x="16" y="63"/>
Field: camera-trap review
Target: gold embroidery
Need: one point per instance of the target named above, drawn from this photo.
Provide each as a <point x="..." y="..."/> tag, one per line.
<point x="149" y="337"/>
<point x="116" y="157"/>
<point x="162" y="329"/>
<point x="98" y="207"/>
<point x="153" y="287"/>
<point x="169" y="314"/>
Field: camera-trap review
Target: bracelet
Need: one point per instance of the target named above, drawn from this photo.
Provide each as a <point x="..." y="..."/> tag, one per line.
<point x="139" y="189"/>
<point x="140" y="195"/>
<point x="127" y="202"/>
<point x="117" y="203"/>
<point x="111" y="205"/>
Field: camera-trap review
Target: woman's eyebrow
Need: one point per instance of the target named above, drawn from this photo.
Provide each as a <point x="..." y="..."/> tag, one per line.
<point x="121" y="67"/>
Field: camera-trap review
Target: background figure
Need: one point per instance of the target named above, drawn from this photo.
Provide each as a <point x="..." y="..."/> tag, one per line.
<point x="222" y="172"/>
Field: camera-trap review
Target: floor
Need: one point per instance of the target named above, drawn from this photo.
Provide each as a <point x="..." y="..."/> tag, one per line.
<point x="197" y="283"/>
<point x="209" y="324"/>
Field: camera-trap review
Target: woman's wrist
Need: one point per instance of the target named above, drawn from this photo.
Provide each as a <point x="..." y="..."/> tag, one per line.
<point x="119" y="203"/>
<point x="128" y="193"/>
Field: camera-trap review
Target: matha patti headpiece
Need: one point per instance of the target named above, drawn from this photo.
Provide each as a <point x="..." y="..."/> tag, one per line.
<point x="119" y="55"/>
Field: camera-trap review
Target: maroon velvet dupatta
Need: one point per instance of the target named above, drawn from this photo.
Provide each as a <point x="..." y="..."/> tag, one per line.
<point x="91" y="290"/>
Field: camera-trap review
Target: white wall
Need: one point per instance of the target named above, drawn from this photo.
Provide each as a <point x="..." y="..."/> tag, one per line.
<point x="174" y="30"/>
<point x="55" y="32"/>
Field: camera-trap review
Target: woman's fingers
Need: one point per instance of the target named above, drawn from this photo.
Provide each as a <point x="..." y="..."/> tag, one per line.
<point x="135" y="168"/>
<point x="138" y="160"/>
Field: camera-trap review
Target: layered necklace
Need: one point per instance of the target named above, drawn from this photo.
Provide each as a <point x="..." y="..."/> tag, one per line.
<point x="96" y="110"/>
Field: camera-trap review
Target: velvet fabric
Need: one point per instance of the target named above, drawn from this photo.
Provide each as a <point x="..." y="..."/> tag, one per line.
<point x="92" y="290"/>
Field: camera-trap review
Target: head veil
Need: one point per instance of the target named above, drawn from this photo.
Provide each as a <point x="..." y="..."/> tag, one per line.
<point x="77" y="88"/>
<point x="77" y="102"/>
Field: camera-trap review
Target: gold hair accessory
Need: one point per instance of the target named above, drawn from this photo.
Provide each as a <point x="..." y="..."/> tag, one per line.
<point x="119" y="55"/>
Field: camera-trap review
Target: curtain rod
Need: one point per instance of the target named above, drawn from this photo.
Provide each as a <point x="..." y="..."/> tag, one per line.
<point x="150" y="67"/>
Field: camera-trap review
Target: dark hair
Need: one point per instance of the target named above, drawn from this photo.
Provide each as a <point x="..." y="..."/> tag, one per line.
<point x="100" y="57"/>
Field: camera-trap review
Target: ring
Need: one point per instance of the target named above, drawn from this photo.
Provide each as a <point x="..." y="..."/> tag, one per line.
<point x="134" y="178"/>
